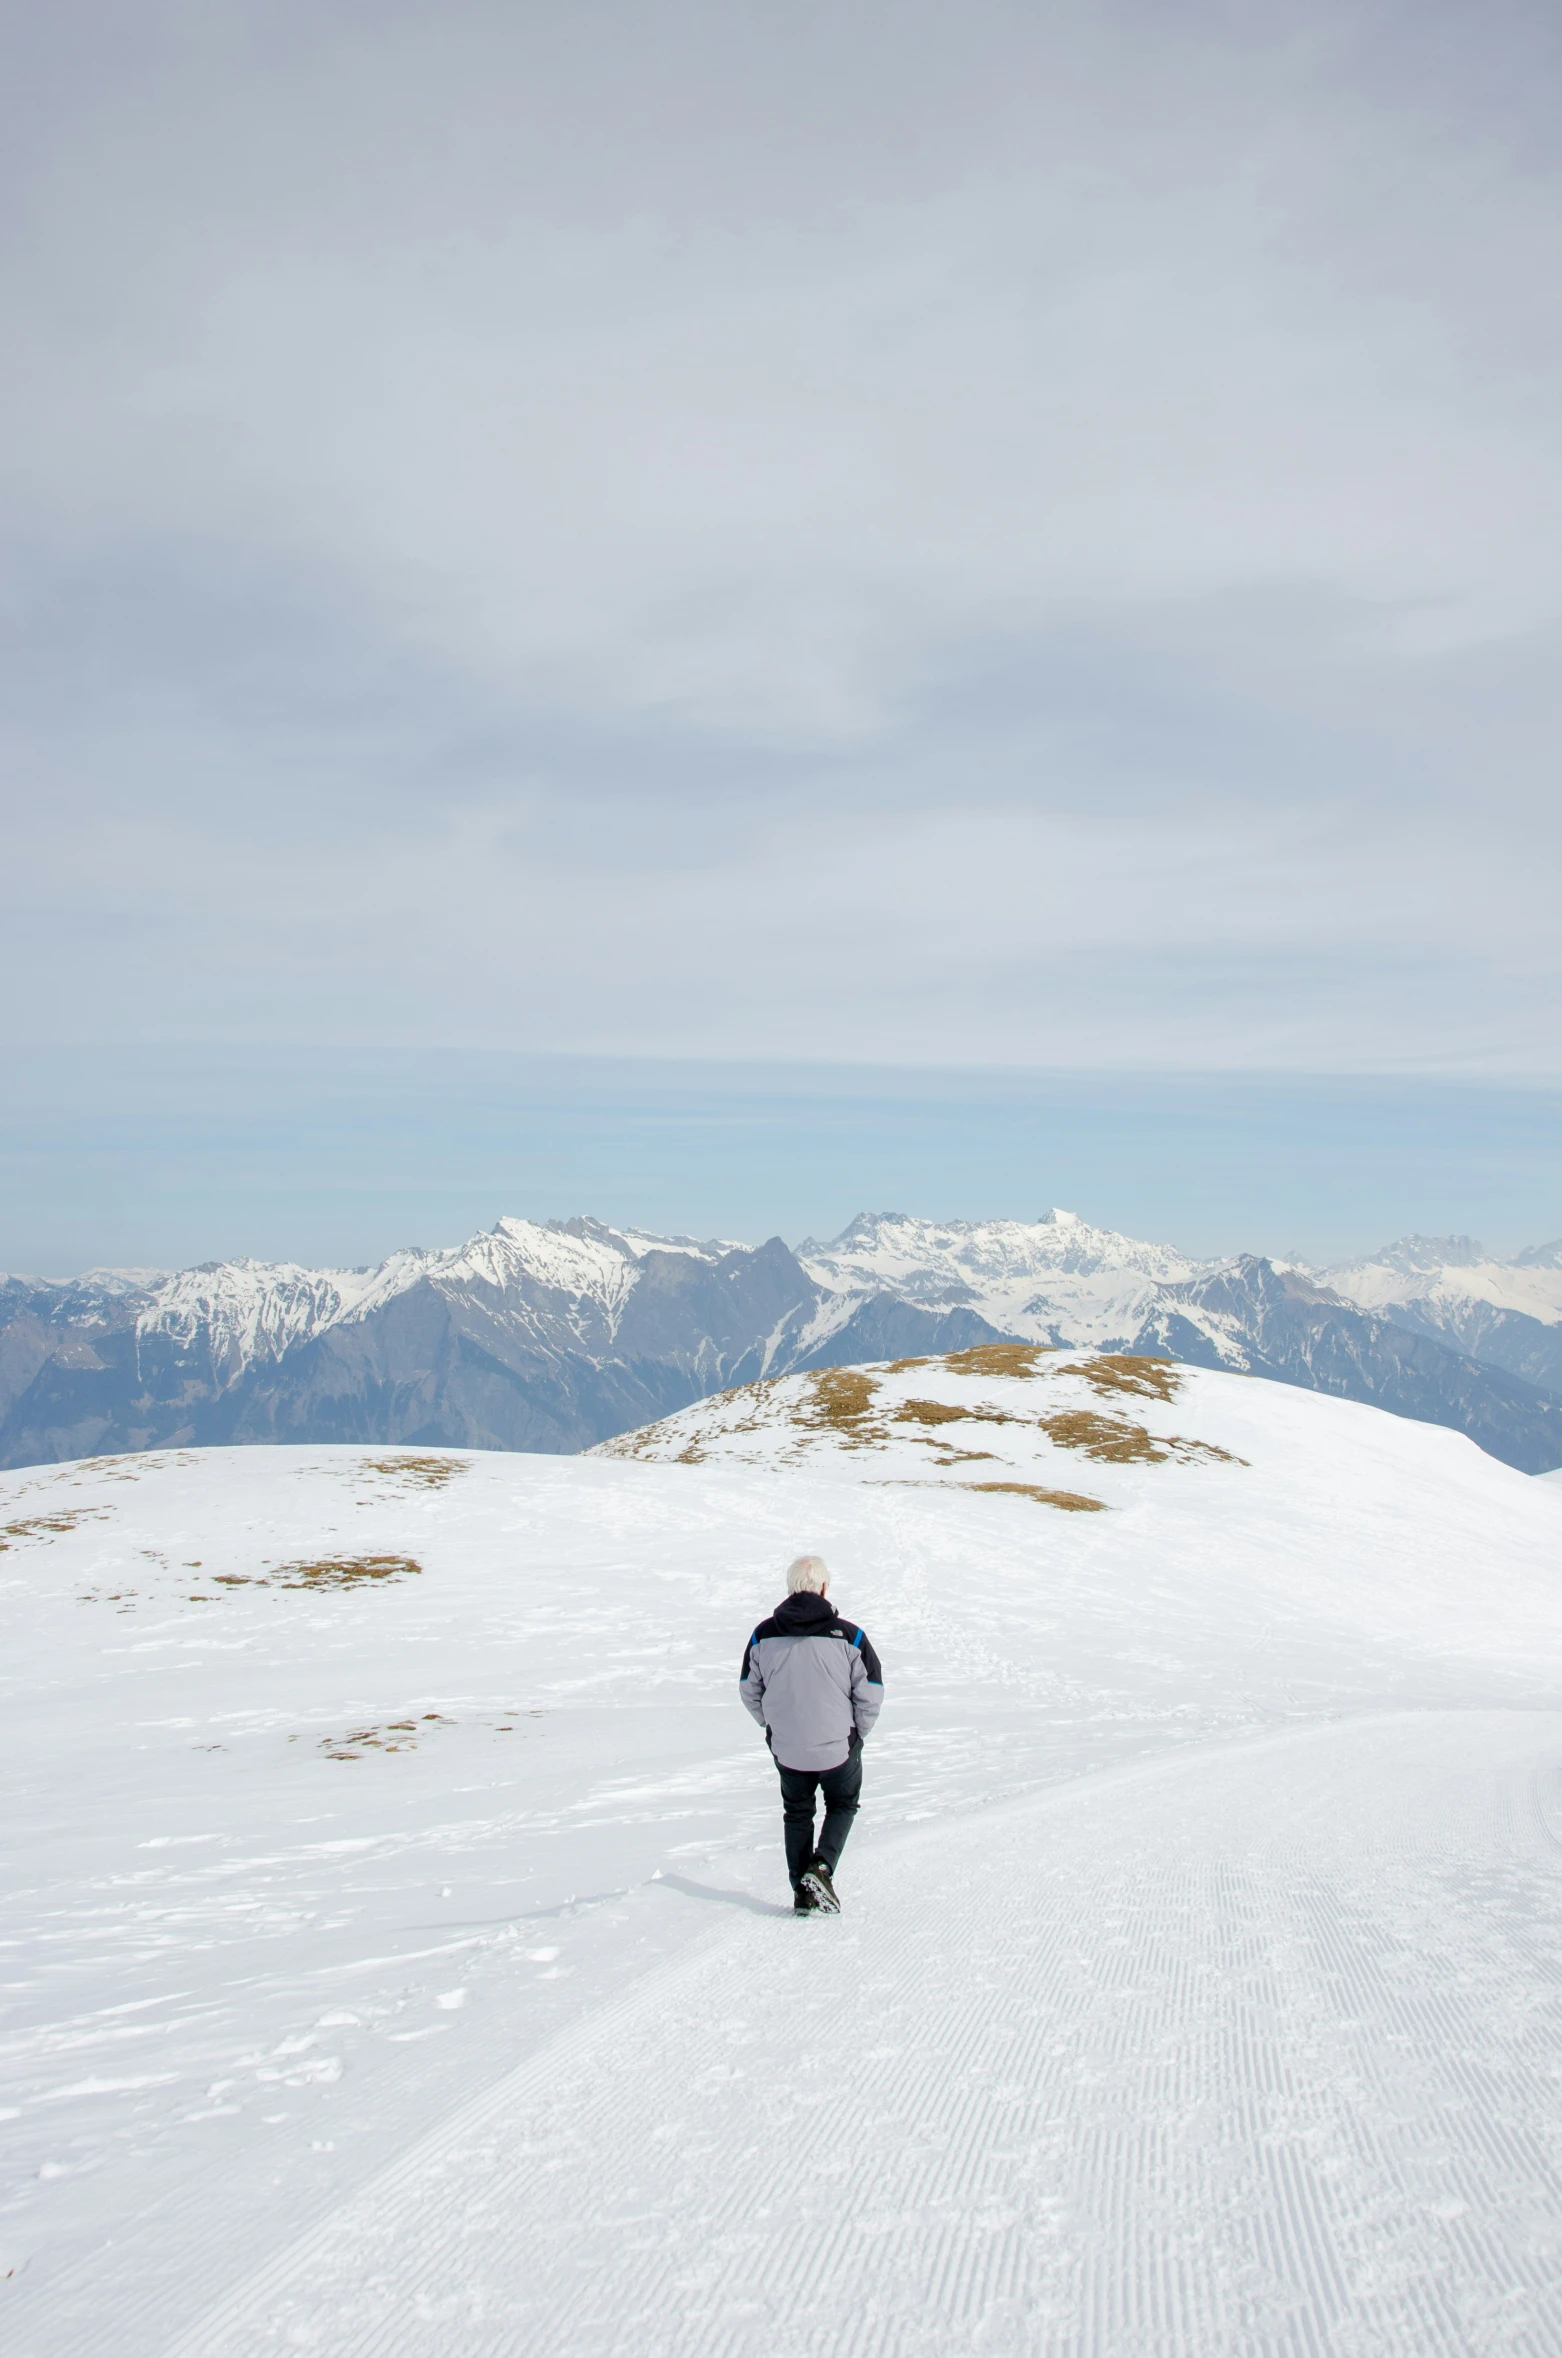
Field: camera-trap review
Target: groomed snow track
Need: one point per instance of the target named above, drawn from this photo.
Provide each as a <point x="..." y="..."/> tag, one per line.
<point x="1254" y="2053"/>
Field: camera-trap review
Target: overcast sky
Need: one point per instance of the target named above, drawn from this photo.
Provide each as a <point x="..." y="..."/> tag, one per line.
<point x="1016" y="535"/>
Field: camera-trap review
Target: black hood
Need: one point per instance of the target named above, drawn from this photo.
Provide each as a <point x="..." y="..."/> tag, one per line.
<point x="804" y="1613"/>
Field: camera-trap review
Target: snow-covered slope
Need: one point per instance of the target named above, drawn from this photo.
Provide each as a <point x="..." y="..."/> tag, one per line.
<point x="398" y="1963"/>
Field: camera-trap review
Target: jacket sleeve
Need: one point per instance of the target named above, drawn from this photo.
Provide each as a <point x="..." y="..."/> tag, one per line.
<point x="867" y="1685"/>
<point x="751" y="1682"/>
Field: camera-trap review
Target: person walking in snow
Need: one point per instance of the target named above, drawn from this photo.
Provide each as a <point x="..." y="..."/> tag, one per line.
<point x="813" y="1682"/>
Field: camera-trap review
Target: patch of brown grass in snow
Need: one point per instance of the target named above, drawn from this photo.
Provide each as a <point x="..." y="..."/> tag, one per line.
<point x="1073" y="1502"/>
<point x="1114" y="1443"/>
<point x="325" y="1572"/>
<point x="842" y="1399"/>
<point x="430" y="1473"/>
<point x="943" y="1412"/>
<point x="1127" y="1371"/>
<point x="48" y="1526"/>
<point x="997" y="1359"/>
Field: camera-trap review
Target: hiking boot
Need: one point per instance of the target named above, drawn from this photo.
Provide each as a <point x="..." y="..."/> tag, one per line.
<point x="817" y="1881"/>
<point x="803" y="1902"/>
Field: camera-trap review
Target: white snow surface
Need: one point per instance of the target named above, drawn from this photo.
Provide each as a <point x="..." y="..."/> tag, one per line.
<point x="399" y="1966"/>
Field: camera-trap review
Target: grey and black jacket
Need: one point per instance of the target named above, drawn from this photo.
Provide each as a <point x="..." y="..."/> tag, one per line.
<point x="812" y="1681"/>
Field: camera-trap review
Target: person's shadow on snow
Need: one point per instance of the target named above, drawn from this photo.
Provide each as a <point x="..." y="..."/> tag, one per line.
<point x="733" y="1899"/>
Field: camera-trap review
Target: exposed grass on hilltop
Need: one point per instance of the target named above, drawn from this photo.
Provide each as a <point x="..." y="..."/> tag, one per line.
<point x="843" y="1394"/>
<point x="1109" y="1439"/>
<point x="1126" y="1371"/>
<point x="997" y="1359"/>
<point x="841" y="1401"/>
<point x="846" y="1403"/>
<point x="1115" y="1443"/>
<point x="944" y="1412"/>
<point x="129" y="1466"/>
<point x="1105" y="1438"/>
<point x="430" y="1473"/>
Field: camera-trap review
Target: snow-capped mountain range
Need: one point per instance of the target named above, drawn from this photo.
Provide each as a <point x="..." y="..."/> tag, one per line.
<point x="1054" y="1280"/>
<point x="1506" y="1312"/>
<point x="555" y="1335"/>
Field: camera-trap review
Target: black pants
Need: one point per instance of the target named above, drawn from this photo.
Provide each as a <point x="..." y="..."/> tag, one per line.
<point x="842" y="1788"/>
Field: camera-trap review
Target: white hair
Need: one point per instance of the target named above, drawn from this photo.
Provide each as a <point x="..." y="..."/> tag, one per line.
<point x="809" y="1572"/>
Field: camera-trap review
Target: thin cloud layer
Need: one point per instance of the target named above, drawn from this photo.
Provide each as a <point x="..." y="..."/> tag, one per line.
<point x="1011" y="534"/>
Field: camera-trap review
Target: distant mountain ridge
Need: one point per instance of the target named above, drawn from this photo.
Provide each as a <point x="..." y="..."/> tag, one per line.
<point x="543" y="1336"/>
<point x="555" y="1335"/>
<point x="1507" y="1314"/>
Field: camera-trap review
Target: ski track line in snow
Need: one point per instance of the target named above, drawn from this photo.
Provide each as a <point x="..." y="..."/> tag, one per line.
<point x="1253" y="2053"/>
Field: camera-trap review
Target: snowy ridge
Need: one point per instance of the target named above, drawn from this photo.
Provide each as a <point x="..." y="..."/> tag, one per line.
<point x="1453" y="1271"/>
<point x="1505" y="1313"/>
<point x="641" y="1241"/>
<point x="577" y="1258"/>
<point x="1057" y="1279"/>
<point x="1009" y="1253"/>
<point x="113" y="1283"/>
<point x="248" y="1311"/>
<point x="243" y="1311"/>
<point x="93" y="1292"/>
